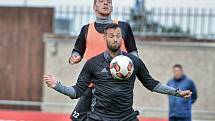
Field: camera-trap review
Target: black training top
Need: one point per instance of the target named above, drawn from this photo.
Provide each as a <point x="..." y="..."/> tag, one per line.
<point x="113" y="98"/>
<point x="130" y="45"/>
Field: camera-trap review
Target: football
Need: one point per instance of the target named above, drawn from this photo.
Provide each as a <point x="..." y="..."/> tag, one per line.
<point x="121" y="67"/>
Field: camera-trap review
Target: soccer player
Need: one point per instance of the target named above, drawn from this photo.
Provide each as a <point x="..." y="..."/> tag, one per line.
<point x="90" y="42"/>
<point x="112" y="99"/>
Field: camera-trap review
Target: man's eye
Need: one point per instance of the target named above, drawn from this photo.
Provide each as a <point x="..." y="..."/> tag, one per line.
<point x="111" y="35"/>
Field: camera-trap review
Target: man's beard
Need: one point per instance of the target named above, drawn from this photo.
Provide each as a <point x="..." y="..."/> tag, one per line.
<point x="114" y="48"/>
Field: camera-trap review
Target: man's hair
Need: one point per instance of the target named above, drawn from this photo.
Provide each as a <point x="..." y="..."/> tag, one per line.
<point x="94" y="2"/>
<point x="111" y="26"/>
<point x="178" y="66"/>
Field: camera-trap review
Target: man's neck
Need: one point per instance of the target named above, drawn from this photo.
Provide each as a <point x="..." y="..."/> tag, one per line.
<point x="109" y="55"/>
<point x="180" y="78"/>
<point x="104" y="19"/>
<point x="113" y="54"/>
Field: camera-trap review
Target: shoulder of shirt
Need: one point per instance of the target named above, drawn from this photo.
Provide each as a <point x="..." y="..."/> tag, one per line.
<point x="129" y="55"/>
<point x="84" y="30"/>
<point x="96" y="58"/>
<point x="124" y="24"/>
<point x="85" y="27"/>
<point x="132" y="57"/>
<point x="188" y="79"/>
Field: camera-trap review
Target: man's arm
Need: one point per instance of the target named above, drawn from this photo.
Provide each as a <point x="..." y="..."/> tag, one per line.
<point x="165" y="89"/>
<point x="129" y="39"/>
<point x="194" y="91"/>
<point x="68" y="91"/>
<point x="79" y="47"/>
<point x="74" y="91"/>
<point x="144" y="76"/>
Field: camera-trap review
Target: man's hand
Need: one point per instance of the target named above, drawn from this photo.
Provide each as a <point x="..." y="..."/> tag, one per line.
<point x="50" y="81"/>
<point x="185" y="94"/>
<point x="74" y="59"/>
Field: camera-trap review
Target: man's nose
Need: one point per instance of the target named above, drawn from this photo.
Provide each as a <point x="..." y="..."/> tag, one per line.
<point x="106" y="2"/>
<point x="115" y="39"/>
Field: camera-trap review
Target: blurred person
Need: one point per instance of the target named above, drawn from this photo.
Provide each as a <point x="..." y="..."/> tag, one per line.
<point x="112" y="99"/>
<point x="138" y="15"/>
<point x="90" y="42"/>
<point x="180" y="108"/>
<point x="138" y="6"/>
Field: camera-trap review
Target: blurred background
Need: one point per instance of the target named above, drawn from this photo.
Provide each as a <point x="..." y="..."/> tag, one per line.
<point x="37" y="37"/>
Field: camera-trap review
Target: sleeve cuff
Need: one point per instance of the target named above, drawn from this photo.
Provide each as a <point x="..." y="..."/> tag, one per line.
<point x="76" y="53"/>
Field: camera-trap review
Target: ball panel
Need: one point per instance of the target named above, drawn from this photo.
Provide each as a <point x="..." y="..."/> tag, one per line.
<point x="116" y="67"/>
<point x="129" y="66"/>
<point x="111" y="66"/>
<point x="120" y="75"/>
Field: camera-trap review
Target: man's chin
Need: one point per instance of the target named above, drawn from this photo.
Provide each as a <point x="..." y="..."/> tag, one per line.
<point x="114" y="49"/>
<point x="105" y="14"/>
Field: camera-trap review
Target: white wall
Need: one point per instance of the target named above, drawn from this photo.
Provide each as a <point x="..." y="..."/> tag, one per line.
<point x="118" y="3"/>
<point x="181" y="3"/>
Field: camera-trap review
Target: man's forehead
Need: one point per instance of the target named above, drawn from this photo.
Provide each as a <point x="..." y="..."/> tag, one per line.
<point x="101" y="0"/>
<point x="114" y="30"/>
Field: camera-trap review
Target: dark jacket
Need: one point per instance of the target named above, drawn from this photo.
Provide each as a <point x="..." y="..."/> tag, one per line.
<point x="178" y="106"/>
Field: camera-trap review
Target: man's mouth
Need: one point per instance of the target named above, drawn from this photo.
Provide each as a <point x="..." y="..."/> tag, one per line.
<point x="115" y="44"/>
<point x="105" y="8"/>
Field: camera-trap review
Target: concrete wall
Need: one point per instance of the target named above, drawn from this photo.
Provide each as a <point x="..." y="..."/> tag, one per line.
<point x="198" y="60"/>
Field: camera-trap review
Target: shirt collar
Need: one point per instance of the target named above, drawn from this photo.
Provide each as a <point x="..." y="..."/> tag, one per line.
<point x="108" y="57"/>
<point x="104" y="20"/>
